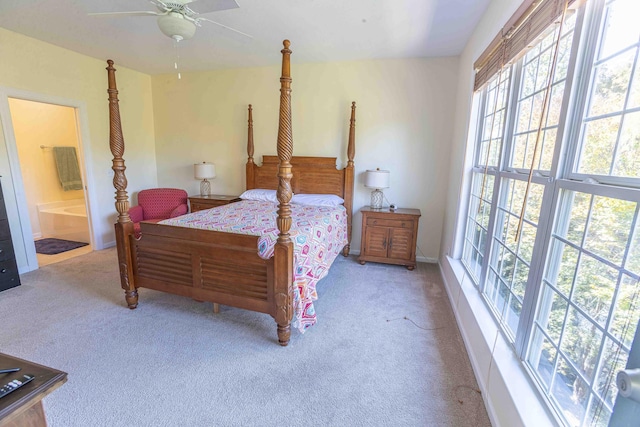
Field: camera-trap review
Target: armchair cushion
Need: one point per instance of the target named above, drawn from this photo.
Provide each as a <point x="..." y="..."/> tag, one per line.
<point x="180" y="210"/>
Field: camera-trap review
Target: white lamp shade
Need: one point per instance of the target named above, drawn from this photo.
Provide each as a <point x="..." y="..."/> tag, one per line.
<point x="204" y="170"/>
<point x="376" y="179"/>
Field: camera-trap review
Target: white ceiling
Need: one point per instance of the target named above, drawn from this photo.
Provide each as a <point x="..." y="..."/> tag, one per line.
<point x="319" y="30"/>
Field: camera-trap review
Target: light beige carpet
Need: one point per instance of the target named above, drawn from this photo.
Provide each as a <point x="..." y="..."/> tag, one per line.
<point x="172" y="362"/>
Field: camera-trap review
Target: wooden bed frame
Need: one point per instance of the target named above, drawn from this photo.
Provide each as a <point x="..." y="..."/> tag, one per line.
<point x="225" y="268"/>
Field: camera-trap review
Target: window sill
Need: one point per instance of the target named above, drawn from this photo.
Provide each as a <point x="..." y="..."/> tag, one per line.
<point x="509" y="395"/>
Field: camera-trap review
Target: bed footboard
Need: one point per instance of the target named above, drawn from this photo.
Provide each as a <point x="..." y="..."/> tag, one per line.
<point x="222" y="268"/>
<point x="204" y="265"/>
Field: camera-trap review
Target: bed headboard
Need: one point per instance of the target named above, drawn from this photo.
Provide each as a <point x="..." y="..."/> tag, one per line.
<point x="311" y="175"/>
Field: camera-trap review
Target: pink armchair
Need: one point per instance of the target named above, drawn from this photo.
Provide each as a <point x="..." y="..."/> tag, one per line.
<point x="157" y="204"/>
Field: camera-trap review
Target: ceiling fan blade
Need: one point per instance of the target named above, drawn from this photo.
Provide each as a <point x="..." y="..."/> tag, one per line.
<point x="224" y="26"/>
<point x="139" y="13"/>
<point x="160" y="4"/>
<point x="207" y="6"/>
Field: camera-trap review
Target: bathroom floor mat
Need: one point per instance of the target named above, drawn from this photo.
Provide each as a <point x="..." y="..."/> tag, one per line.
<point x="51" y="246"/>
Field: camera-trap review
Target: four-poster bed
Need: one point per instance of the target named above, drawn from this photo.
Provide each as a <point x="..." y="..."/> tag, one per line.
<point x="224" y="267"/>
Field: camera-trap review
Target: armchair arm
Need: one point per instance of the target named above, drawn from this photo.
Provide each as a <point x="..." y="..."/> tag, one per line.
<point x="136" y="213"/>
<point x="180" y="210"/>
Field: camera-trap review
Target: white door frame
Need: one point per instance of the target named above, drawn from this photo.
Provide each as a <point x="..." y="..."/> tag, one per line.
<point x="86" y="167"/>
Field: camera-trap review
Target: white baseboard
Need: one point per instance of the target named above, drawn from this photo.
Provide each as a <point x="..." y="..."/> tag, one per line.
<point x="418" y="258"/>
<point x="37" y="236"/>
<point x="106" y="245"/>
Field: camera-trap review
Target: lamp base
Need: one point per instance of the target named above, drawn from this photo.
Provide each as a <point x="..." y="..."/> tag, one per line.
<point x="205" y="188"/>
<point x="376" y="199"/>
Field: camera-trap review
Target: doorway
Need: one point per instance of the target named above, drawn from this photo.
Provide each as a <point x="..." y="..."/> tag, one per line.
<point x="48" y="145"/>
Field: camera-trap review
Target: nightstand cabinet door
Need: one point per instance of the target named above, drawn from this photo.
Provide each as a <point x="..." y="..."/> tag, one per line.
<point x="375" y="241"/>
<point x="389" y="236"/>
<point x="400" y="243"/>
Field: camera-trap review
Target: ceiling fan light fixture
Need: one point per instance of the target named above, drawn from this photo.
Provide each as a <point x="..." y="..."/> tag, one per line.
<point x="176" y="26"/>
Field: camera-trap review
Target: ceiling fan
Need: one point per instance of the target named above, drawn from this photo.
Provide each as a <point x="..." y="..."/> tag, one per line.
<point x="178" y="19"/>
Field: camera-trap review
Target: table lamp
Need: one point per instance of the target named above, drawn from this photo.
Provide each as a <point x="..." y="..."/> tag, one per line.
<point x="376" y="179"/>
<point x="204" y="171"/>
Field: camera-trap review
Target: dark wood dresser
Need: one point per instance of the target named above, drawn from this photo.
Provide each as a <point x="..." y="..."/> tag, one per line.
<point x="9" y="277"/>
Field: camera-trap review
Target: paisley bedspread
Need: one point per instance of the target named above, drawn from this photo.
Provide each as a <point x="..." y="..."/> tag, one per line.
<point x="319" y="233"/>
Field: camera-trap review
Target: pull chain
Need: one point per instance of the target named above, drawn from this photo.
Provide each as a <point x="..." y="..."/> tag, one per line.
<point x="176" y="43"/>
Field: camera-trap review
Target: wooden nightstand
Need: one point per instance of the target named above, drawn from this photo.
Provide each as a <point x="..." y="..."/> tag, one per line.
<point x="389" y="236"/>
<point x="199" y="202"/>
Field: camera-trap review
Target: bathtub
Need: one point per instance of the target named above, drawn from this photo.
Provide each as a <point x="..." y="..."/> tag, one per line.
<point x="64" y="220"/>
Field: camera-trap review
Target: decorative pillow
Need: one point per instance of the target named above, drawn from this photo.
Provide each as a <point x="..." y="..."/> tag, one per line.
<point x="317" y="199"/>
<point x="260" y="194"/>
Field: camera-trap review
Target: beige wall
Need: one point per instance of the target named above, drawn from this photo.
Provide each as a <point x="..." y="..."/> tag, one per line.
<point x="403" y="125"/>
<point x="36" y="124"/>
<point x="45" y="70"/>
<point x="404" y="111"/>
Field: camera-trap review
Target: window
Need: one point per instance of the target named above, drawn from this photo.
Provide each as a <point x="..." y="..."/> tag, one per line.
<point x="493" y="115"/>
<point x="552" y="237"/>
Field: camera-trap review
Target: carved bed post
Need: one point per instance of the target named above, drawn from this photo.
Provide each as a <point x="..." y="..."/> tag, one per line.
<point x="283" y="251"/>
<point x="124" y="226"/>
<point x="349" y="174"/>
<point x="250" y="164"/>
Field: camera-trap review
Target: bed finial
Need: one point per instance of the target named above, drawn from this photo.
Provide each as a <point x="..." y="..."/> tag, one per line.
<point x="286" y="60"/>
<point x="283" y="269"/>
<point x="250" y="136"/>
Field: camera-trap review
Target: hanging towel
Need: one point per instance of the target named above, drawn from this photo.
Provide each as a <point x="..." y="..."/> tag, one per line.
<point x="68" y="169"/>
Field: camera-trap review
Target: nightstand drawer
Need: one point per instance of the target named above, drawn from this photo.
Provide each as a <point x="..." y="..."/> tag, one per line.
<point x="395" y="223"/>
<point x="199" y="203"/>
<point x="199" y="206"/>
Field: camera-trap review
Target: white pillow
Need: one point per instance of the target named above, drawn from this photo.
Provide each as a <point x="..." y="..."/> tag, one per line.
<point x="317" y="199"/>
<point x="260" y="194"/>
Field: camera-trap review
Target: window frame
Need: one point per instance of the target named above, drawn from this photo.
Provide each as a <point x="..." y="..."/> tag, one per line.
<point x="562" y="176"/>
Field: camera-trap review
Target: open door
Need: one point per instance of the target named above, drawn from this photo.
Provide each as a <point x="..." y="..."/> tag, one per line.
<point x="626" y="411"/>
<point x="15" y="191"/>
